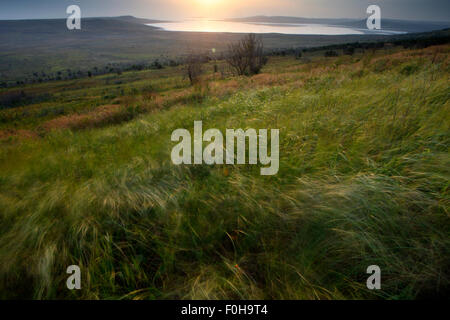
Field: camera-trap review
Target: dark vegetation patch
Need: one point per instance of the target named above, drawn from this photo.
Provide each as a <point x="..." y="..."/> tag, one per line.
<point x="12" y="99"/>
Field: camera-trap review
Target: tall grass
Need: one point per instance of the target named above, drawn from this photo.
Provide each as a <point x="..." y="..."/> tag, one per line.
<point x="363" y="180"/>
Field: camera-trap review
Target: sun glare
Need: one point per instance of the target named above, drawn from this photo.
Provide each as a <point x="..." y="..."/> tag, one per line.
<point x="208" y="2"/>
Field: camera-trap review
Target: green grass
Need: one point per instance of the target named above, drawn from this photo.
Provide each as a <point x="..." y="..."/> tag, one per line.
<point x="363" y="180"/>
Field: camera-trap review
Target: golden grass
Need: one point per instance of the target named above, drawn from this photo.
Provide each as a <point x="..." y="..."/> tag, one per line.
<point x="103" y="114"/>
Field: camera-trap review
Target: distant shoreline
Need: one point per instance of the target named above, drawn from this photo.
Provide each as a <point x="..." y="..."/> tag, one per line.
<point x="224" y="26"/>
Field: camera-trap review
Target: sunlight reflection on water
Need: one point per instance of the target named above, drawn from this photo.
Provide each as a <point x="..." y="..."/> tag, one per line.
<point x="205" y="25"/>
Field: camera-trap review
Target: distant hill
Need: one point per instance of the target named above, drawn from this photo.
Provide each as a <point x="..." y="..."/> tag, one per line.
<point x="386" y="24"/>
<point x="137" y="20"/>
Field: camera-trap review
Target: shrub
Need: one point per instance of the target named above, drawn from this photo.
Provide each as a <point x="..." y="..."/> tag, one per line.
<point x="349" y="51"/>
<point x="194" y="67"/>
<point x="331" y="53"/>
<point x="246" y="57"/>
<point x="156" y="65"/>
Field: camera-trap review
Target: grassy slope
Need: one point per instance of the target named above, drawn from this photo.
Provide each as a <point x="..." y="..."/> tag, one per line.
<point x="30" y="46"/>
<point x="363" y="180"/>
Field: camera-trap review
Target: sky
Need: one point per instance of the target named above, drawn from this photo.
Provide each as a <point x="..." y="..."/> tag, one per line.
<point x="430" y="10"/>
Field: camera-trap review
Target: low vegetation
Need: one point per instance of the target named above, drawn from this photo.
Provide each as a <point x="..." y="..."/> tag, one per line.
<point x="86" y="179"/>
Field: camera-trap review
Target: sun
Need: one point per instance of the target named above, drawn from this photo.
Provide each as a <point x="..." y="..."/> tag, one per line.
<point x="208" y="2"/>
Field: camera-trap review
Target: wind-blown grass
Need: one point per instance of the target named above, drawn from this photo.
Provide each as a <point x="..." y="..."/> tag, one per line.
<point x="363" y="180"/>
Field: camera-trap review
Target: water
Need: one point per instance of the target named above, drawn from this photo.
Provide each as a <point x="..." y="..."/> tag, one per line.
<point x="205" y="25"/>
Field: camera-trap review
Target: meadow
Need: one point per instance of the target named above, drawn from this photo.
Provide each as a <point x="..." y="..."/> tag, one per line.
<point x="39" y="50"/>
<point x="86" y="179"/>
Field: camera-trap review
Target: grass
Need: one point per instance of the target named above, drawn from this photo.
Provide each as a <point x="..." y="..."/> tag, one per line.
<point x="363" y="180"/>
<point x="37" y="49"/>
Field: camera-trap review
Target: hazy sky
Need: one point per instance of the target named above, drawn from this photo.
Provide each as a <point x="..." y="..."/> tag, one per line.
<point x="171" y="9"/>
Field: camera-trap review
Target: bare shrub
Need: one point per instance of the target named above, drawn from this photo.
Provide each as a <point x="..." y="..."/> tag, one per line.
<point x="246" y="57"/>
<point x="194" y="67"/>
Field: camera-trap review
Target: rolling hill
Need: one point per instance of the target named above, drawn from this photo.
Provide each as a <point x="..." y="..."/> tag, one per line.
<point x="86" y="179"/>
<point x="30" y="47"/>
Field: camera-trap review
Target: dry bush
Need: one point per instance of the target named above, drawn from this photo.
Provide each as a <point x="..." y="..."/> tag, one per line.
<point x="246" y="57"/>
<point x="194" y="67"/>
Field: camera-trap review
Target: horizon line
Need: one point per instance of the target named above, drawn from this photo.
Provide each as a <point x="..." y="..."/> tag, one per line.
<point x="224" y="19"/>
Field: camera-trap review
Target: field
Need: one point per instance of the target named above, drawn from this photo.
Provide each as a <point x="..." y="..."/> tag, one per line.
<point x="35" y="50"/>
<point x="86" y="179"/>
